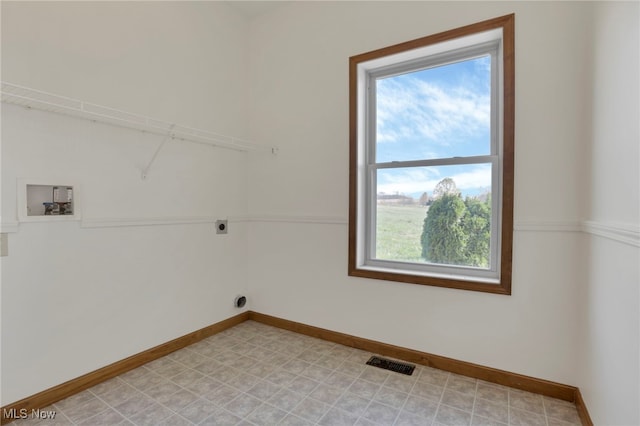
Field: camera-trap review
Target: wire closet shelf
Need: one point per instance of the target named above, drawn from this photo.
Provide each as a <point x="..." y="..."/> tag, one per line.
<point x="44" y="101"/>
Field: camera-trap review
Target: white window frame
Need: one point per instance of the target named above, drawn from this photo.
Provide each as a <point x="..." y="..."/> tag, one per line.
<point x="454" y="46"/>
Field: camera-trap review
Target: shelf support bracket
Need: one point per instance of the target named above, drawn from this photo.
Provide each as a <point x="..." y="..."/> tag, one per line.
<point x="170" y="135"/>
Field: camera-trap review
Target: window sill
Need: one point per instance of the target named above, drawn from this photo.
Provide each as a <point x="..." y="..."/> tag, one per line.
<point x="456" y="282"/>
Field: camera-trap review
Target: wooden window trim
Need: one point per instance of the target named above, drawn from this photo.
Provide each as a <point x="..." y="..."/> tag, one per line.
<point x="508" y="128"/>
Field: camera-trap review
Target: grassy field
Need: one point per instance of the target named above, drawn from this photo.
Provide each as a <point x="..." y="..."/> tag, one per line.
<point x="399" y="229"/>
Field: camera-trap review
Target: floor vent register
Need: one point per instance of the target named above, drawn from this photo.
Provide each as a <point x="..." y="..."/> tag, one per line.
<point x="387" y="364"/>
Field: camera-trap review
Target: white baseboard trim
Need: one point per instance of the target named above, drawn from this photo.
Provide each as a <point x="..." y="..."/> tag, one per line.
<point x="323" y="220"/>
<point x="119" y="222"/>
<point x="623" y="233"/>
<point x="138" y="221"/>
<point x="524" y="225"/>
<point x="9" y="227"/>
<point x="547" y="226"/>
<point x="619" y="232"/>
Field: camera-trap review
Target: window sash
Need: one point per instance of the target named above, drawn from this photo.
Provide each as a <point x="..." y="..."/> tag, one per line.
<point x="462" y="272"/>
<point x="460" y="55"/>
<point x="369" y="259"/>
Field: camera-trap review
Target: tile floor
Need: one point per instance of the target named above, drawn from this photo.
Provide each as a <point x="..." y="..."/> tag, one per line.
<point x="253" y="374"/>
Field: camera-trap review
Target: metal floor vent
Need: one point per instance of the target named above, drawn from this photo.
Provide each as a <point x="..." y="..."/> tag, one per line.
<point x="387" y="364"/>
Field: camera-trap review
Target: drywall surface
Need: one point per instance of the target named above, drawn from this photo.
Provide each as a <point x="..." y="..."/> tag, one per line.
<point x="176" y="62"/>
<point x="610" y="350"/>
<point x="298" y="245"/>
<point x="615" y="152"/>
<point x="79" y="295"/>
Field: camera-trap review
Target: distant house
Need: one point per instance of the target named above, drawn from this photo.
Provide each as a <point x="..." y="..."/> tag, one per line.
<point x="395" y="199"/>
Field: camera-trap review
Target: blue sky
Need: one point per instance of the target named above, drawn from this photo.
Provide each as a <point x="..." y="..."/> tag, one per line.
<point x="439" y="112"/>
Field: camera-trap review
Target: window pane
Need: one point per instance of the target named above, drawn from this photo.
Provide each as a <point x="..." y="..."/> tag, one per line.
<point x="439" y="112"/>
<point x="439" y="215"/>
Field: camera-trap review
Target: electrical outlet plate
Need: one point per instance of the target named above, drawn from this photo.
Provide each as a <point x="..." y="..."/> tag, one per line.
<point x="222" y="227"/>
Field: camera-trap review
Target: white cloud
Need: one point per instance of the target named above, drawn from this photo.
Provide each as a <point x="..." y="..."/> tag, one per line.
<point x="413" y="108"/>
<point x="418" y="180"/>
<point x="420" y="118"/>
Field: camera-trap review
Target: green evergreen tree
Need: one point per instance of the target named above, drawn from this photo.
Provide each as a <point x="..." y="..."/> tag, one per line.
<point x="456" y="232"/>
<point x="476" y="225"/>
<point x="443" y="236"/>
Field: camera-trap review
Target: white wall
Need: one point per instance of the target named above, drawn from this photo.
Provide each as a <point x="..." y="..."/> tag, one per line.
<point x="298" y="270"/>
<point x="609" y="374"/>
<point x="282" y="80"/>
<point x="75" y="299"/>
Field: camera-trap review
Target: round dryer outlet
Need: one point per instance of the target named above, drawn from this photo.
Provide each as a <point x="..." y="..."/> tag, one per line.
<point x="240" y="301"/>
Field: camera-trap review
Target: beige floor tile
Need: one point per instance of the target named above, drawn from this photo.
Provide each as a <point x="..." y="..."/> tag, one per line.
<point x="254" y="374"/>
<point x="452" y="416"/>
<point x="380" y="413"/>
<point x="492" y="410"/>
<point x="311" y="409"/>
